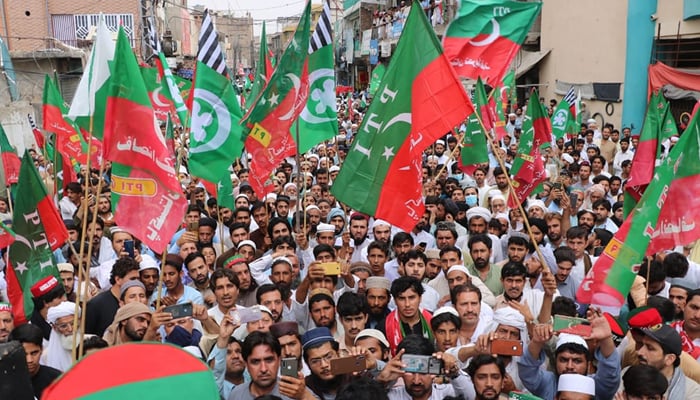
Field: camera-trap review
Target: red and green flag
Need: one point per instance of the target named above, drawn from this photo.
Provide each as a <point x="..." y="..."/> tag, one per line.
<point x="276" y="108"/>
<point x="69" y="140"/>
<point x="486" y="35"/>
<point x="146" y="193"/>
<point x="507" y="91"/>
<point x="10" y="160"/>
<point x="318" y="120"/>
<point x="38" y="135"/>
<point x="528" y="168"/>
<point x="474" y="149"/>
<point x="263" y="69"/>
<point x="172" y="84"/>
<point x="155" y="371"/>
<point x="7" y="236"/>
<point x="39" y="230"/>
<point x="665" y="217"/>
<point x="419" y="100"/>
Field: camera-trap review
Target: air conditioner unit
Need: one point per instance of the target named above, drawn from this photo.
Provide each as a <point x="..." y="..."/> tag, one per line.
<point x="177" y="50"/>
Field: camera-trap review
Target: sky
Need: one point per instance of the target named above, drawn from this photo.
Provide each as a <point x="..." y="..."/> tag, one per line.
<point x="260" y="10"/>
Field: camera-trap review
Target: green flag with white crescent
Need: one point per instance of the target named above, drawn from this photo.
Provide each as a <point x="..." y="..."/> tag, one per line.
<point x="318" y="121"/>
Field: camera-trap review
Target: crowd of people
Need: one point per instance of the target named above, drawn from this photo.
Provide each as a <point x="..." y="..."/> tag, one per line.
<point x="284" y="284"/>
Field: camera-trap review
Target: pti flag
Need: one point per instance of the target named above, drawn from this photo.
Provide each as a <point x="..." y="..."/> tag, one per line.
<point x="10" y="160"/>
<point x="271" y="117"/>
<point x="145" y="191"/>
<point x="486" y="35"/>
<point x="39" y="230"/>
<point x="419" y="100"/>
<point x="664" y="217"/>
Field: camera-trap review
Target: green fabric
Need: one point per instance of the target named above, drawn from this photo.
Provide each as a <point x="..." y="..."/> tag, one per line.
<point x="216" y="133"/>
<point x="474" y="17"/>
<point x="261" y="71"/>
<point x="195" y="385"/>
<point x="493" y="277"/>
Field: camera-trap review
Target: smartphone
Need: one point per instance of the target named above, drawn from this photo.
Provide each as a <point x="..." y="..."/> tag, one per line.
<point x="250" y="314"/>
<point x="573" y="199"/>
<point x="422" y="364"/>
<point x="290" y="367"/>
<point x="557" y="185"/>
<point x="504" y="347"/>
<point x="129" y="247"/>
<point x="572" y="325"/>
<point x="347" y="365"/>
<point x="331" y="268"/>
<point x="422" y="245"/>
<point x="179" y="310"/>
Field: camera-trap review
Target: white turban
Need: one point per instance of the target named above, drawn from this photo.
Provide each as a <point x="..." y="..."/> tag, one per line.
<point x="479" y="212"/>
<point x="62" y="310"/>
<point x="510" y="317"/>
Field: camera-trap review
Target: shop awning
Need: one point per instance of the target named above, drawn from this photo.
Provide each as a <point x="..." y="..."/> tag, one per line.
<point x="528" y="59"/>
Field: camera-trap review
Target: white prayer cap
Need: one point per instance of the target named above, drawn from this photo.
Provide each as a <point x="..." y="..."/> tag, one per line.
<point x="271" y="196"/>
<point x="373" y="333"/>
<point x="497" y="196"/>
<point x="458" y="267"/>
<point x="567" y="157"/>
<point x="242" y="195"/>
<point x="312" y="207"/>
<point x="247" y="242"/>
<point x="576" y="383"/>
<point x="565" y="338"/>
<point x="290" y="184"/>
<point x="334" y="168"/>
<point x="440" y="141"/>
<point x="433" y="157"/>
<point x="512" y="115"/>
<point x="378" y="282"/>
<point x="312" y="155"/>
<point x="323" y="227"/>
<point x="64" y="309"/>
<point x="148" y="263"/>
<point x="446" y="310"/>
<point x="479" y="212"/>
<point x="536" y="203"/>
<point x="380" y="222"/>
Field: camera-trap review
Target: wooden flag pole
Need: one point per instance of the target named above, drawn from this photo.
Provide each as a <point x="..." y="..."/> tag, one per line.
<point x="502" y="164"/>
<point x="159" y="286"/>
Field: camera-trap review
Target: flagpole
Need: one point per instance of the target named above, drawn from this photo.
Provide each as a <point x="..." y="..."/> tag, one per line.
<point x="221" y="227"/>
<point x="9" y="200"/>
<point x="77" y="320"/>
<point x="298" y="159"/>
<point x="159" y="287"/>
<point x="545" y="267"/>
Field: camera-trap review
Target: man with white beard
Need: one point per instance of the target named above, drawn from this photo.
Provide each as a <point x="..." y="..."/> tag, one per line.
<point x="58" y="353"/>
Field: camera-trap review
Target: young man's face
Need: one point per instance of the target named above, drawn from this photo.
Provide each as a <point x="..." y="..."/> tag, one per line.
<point x="407" y="304"/>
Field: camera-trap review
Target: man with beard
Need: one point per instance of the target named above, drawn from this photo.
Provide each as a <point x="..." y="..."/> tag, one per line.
<point x="7" y="321"/>
<point x="261" y="352"/>
<point x="59" y="349"/>
<point x="378" y="296"/>
<point x="46" y="293"/>
<point x="319" y="349"/>
<point x="554" y="229"/>
<point x="499" y="175"/>
<point x="270" y="296"/>
<point x="353" y="311"/>
<point x="322" y="311"/>
<point x="287" y="333"/>
<point x="130" y="324"/>
<point x="689" y="327"/>
<point x="566" y="283"/>
<point x="678" y="294"/>
<point x="488" y="375"/>
<point x="149" y="271"/>
<point x="571" y="356"/>
<point x="358" y="233"/>
<point x="261" y="217"/>
<point x="30" y="336"/>
<point x="199" y="272"/>
<point x="246" y="285"/>
<point x="586" y="219"/>
<point x="225" y="359"/>
<point x="433" y="267"/>
<point x="175" y="292"/>
<point x="401" y="243"/>
<point x="480" y="250"/>
<point x="420" y="232"/>
<point x="420" y="386"/>
<point x="66" y="271"/>
<point x="102" y="308"/>
<point x="577" y="240"/>
<point x="516" y="293"/>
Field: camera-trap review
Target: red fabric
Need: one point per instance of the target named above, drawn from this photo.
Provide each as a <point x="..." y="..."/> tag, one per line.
<point x="661" y="74"/>
<point x="56" y="232"/>
<point x="393" y="328"/>
<point x="686" y="341"/>
<point x="15" y="295"/>
<point x="438" y="104"/>
<point x="10" y="163"/>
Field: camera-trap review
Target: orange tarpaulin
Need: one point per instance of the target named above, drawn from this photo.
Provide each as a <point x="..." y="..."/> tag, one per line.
<point x="661" y="74"/>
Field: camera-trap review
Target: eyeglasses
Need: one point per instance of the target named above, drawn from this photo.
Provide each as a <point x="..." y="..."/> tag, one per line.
<point x="327" y="358"/>
<point x="63" y="327"/>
